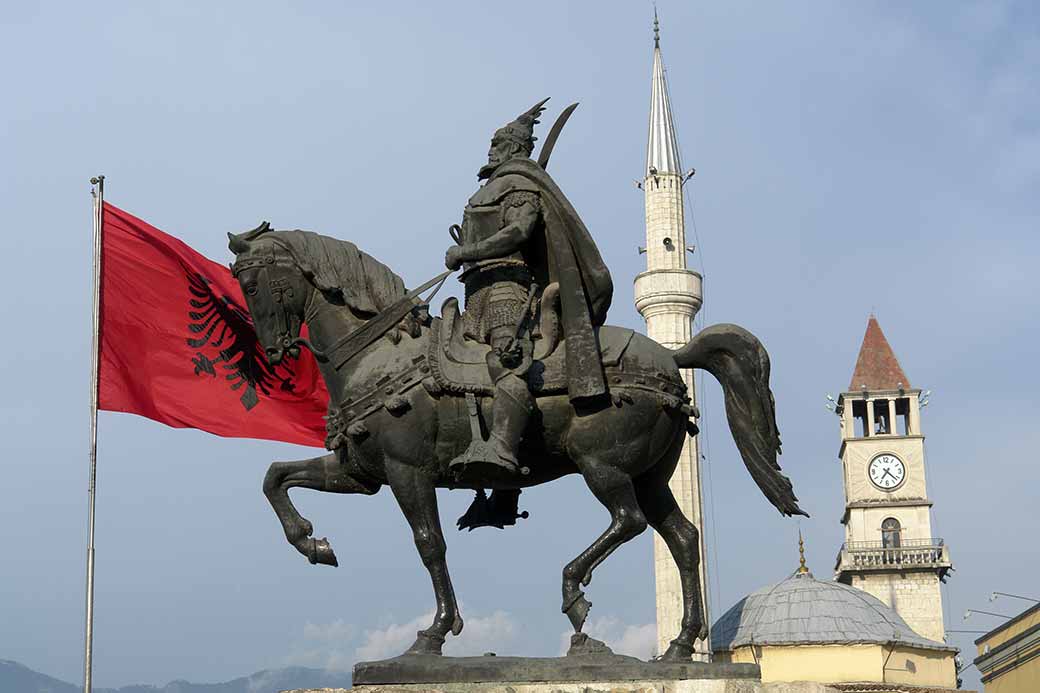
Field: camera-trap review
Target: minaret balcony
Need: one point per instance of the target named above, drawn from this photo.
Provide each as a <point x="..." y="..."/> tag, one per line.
<point x="873" y="556"/>
<point x="668" y="290"/>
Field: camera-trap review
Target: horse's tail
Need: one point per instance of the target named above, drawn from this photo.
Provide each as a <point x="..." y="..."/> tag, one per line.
<point x="741" y="365"/>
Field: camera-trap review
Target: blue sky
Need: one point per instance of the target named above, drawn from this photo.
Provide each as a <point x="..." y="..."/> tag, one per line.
<point x="851" y="157"/>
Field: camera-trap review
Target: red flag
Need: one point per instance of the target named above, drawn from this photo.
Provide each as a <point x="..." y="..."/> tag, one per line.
<point x="178" y="346"/>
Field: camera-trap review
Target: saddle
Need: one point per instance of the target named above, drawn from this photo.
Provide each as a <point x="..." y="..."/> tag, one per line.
<point x="458" y="364"/>
<point x="451" y="364"/>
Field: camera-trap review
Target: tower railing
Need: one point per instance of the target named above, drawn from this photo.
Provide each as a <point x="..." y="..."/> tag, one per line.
<point x="910" y="554"/>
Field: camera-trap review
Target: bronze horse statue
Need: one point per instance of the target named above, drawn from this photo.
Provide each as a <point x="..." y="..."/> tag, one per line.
<point x="404" y="399"/>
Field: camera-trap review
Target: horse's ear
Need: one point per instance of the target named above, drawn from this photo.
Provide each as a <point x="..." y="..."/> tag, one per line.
<point x="239" y="243"/>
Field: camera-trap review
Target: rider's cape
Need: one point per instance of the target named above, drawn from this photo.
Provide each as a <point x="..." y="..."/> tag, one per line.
<point x="571" y="259"/>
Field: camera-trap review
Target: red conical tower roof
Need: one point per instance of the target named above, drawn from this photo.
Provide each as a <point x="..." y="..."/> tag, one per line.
<point x="877" y="366"/>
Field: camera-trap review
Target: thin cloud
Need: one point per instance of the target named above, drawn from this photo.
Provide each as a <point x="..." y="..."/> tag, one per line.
<point x="334" y="646"/>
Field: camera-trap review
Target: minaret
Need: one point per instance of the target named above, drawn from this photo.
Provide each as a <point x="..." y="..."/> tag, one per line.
<point x="668" y="296"/>
<point x="890" y="550"/>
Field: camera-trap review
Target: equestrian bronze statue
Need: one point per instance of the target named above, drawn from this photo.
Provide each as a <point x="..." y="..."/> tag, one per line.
<point x="525" y="385"/>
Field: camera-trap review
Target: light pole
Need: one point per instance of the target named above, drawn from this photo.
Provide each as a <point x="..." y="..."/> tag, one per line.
<point x="969" y="612"/>
<point x="993" y="597"/>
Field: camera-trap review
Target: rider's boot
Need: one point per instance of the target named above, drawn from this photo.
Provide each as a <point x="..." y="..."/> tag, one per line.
<point x="510" y="411"/>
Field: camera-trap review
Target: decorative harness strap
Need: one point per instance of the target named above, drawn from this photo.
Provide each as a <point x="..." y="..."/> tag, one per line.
<point x="386" y="393"/>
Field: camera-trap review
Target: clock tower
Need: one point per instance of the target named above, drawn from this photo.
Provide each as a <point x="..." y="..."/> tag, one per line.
<point x="890" y="549"/>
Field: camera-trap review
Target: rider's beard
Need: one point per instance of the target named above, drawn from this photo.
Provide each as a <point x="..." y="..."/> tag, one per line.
<point x="487" y="170"/>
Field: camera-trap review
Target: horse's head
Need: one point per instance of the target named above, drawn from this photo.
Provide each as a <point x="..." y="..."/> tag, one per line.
<point x="284" y="274"/>
<point x="275" y="288"/>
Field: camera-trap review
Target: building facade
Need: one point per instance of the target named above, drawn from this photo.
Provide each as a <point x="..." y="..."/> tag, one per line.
<point x="890" y="550"/>
<point x="1009" y="655"/>
<point x="668" y="296"/>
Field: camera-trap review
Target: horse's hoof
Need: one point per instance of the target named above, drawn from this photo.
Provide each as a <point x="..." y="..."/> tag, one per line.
<point x="456" y="626"/>
<point x="582" y="644"/>
<point x="426" y="644"/>
<point x="676" y="652"/>
<point x="578" y="611"/>
<point x="322" y="553"/>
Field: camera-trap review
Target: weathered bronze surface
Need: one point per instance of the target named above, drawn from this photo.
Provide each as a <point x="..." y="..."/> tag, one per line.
<point x="529" y="361"/>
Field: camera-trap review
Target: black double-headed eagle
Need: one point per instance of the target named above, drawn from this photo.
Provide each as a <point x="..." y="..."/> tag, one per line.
<point x="221" y="324"/>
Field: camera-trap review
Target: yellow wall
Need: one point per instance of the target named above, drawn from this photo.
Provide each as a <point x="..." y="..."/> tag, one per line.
<point x="849" y="663"/>
<point x="920" y="667"/>
<point x="1019" y="662"/>
<point x="1025" y="679"/>
<point x="1011" y="631"/>
<point x="823" y="663"/>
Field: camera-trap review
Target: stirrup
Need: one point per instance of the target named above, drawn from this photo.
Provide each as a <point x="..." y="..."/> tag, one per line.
<point x="482" y="452"/>
<point x="485" y="452"/>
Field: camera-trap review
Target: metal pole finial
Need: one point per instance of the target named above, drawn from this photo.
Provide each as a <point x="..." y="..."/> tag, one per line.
<point x="657" y="29"/>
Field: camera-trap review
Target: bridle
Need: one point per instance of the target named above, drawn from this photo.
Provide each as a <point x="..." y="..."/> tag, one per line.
<point x="279" y="292"/>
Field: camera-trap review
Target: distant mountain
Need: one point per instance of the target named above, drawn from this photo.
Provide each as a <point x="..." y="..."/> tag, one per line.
<point x="16" y="678"/>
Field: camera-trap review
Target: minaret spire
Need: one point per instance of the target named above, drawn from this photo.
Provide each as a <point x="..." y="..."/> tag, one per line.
<point x="668" y="296"/>
<point x="662" y="148"/>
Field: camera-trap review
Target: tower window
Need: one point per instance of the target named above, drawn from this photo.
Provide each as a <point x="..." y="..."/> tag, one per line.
<point x="891" y="533"/>
<point x="882" y="425"/>
<point x="903" y="415"/>
<point x="859" y="418"/>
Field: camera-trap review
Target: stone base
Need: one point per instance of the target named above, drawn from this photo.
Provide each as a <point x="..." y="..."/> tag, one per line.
<point x="599" y="673"/>
<point x="682" y="686"/>
<point x="517" y="672"/>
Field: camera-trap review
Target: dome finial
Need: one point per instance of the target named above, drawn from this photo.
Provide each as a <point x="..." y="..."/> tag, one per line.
<point x="802" y="570"/>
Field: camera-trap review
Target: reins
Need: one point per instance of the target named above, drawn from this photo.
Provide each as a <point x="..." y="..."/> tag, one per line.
<point x="352" y="344"/>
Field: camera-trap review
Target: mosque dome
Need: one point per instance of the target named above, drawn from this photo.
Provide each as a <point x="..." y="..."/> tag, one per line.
<point x="802" y="610"/>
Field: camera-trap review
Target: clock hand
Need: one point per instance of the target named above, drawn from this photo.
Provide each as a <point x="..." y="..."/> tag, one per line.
<point x="888" y="472"/>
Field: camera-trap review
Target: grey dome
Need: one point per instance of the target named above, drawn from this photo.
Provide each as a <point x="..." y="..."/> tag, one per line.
<point x="802" y="610"/>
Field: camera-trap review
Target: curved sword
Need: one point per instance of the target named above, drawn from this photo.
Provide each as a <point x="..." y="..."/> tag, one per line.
<point x="554" y="134"/>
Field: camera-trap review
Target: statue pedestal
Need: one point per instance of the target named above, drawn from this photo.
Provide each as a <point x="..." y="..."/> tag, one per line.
<point x="576" y="674"/>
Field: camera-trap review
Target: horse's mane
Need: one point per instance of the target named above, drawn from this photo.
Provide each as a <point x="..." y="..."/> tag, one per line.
<point x="339" y="268"/>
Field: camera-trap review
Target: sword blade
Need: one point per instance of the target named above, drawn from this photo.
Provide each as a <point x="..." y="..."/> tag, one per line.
<point x="554" y="134"/>
<point x="352" y="344"/>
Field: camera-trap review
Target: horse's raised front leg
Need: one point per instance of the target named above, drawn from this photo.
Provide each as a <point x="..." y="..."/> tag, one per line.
<point x="613" y="488"/>
<point x="417" y="496"/>
<point x="325" y="473"/>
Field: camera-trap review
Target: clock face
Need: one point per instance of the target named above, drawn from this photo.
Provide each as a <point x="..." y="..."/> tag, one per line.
<point x="887" y="472"/>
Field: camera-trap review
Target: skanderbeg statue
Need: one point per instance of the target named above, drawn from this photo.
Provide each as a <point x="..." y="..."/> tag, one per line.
<point x="408" y="391"/>
<point x="522" y="245"/>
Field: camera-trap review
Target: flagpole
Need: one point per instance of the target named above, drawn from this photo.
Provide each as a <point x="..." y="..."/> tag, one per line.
<point x="98" y="193"/>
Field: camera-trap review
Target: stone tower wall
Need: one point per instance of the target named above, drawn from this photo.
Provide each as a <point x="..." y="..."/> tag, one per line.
<point x="668" y="296"/>
<point x="914" y="595"/>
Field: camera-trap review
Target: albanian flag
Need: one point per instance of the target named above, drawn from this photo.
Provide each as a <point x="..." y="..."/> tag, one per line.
<point x="178" y="345"/>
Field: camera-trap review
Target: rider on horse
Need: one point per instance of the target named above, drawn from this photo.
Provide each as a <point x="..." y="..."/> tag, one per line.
<point x="518" y="235"/>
